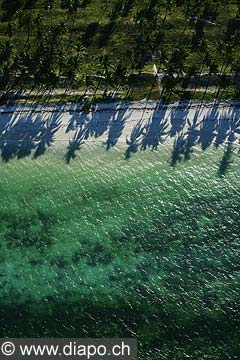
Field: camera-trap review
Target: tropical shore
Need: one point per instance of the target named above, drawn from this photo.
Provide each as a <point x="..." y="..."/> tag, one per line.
<point x="92" y="245"/>
<point x="136" y="126"/>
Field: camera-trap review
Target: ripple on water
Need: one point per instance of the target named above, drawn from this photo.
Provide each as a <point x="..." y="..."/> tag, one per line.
<point x="106" y="247"/>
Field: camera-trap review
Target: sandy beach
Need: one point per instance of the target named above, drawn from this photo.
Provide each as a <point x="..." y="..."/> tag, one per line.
<point x="31" y="130"/>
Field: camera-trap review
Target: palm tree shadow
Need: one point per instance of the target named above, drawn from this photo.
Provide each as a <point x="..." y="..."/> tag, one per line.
<point x="135" y="139"/>
<point x="116" y="127"/>
<point x="19" y="137"/>
<point x="148" y="134"/>
<point x="226" y="160"/>
<point x="21" y="132"/>
<point x="192" y="134"/>
<point x="209" y="128"/>
<point x="234" y="128"/>
<point x="232" y="134"/>
<point x="7" y="119"/>
<point x="222" y="131"/>
<point x="179" y="149"/>
<point x="185" y="142"/>
<point x="178" y="118"/>
<point x="46" y="135"/>
<point x="76" y="120"/>
<point x="155" y="130"/>
<point x="75" y="144"/>
<point x="97" y="125"/>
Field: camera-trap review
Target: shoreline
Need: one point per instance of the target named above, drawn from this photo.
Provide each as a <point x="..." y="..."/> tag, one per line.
<point x="137" y="126"/>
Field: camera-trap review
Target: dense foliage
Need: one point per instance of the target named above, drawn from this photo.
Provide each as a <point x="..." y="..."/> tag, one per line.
<point x="109" y="44"/>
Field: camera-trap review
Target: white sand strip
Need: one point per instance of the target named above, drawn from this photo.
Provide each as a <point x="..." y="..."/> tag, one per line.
<point x="145" y="123"/>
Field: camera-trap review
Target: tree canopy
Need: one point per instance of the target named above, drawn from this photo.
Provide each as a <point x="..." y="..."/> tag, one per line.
<point x="74" y="43"/>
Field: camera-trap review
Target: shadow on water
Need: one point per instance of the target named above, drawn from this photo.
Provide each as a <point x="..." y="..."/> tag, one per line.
<point x="226" y="160"/>
<point x="91" y="319"/>
<point x="179" y="147"/>
<point x="75" y="144"/>
<point x="135" y="139"/>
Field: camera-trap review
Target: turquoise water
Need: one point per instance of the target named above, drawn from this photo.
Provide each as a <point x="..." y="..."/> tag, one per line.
<point x="105" y="246"/>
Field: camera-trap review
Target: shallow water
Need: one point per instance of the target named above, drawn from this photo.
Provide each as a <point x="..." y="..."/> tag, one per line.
<point x="106" y="246"/>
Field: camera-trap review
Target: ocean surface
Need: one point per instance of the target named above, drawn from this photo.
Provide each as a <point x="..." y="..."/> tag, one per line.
<point x="109" y="245"/>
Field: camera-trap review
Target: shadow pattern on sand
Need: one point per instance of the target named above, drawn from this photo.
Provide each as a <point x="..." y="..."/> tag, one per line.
<point x="214" y="127"/>
<point x="29" y="132"/>
<point x="22" y="133"/>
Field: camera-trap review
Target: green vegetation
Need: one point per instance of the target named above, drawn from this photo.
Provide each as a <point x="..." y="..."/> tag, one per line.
<point x="110" y="47"/>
